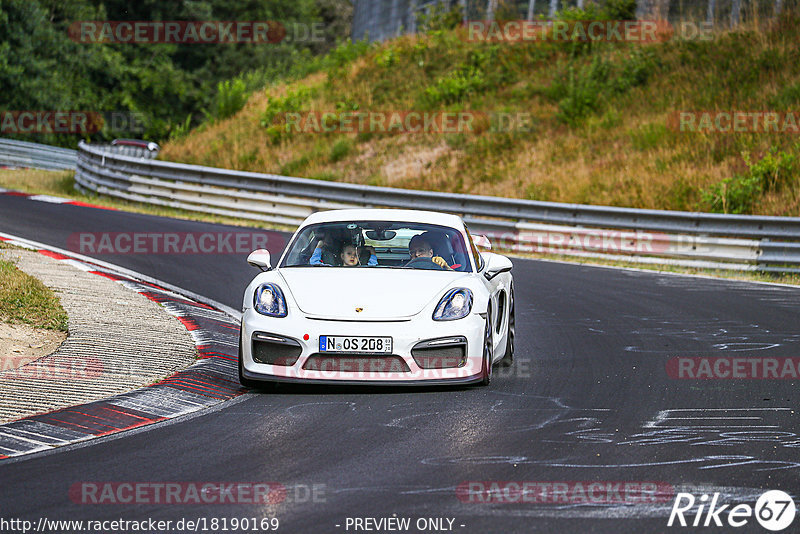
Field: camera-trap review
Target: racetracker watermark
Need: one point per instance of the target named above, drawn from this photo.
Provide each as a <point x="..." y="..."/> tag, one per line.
<point x="735" y="121"/>
<point x="589" y="240"/>
<point x="733" y="368"/>
<point x="195" y="32"/>
<point x="51" y="368"/>
<point x="194" y="493"/>
<point x="563" y="492"/>
<point x="403" y="122"/>
<point x="71" y="122"/>
<point x="57" y="367"/>
<point x="172" y="242"/>
<point x="616" y="31"/>
<point x="366" y="368"/>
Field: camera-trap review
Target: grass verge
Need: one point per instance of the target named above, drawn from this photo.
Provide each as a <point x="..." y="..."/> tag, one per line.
<point x="24" y="299"/>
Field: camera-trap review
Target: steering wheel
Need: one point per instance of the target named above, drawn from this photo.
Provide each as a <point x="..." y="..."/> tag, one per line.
<point x="424" y="262"/>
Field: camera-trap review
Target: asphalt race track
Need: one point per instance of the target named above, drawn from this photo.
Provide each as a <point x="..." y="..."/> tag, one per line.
<point x="589" y="399"/>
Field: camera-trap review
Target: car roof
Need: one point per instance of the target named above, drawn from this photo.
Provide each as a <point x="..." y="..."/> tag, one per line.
<point x="383" y="214"/>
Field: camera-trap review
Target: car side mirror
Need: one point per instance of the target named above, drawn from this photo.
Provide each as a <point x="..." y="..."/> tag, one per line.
<point x="481" y="241"/>
<point x="260" y="258"/>
<point x="495" y="264"/>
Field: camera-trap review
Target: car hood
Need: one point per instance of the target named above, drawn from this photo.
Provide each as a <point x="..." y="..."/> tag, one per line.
<point x="381" y="294"/>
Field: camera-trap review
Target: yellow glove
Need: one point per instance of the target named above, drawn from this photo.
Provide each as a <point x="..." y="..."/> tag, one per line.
<point x="438" y="260"/>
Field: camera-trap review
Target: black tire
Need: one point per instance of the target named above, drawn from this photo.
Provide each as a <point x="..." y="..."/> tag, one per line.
<point x="246" y="382"/>
<point x="508" y="357"/>
<point x="488" y="341"/>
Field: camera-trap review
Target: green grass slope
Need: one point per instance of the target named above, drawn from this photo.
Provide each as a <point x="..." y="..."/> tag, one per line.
<point x="601" y="120"/>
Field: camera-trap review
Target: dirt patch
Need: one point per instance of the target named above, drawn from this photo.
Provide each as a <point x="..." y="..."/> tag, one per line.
<point x="413" y="164"/>
<point x="21" y="344"/>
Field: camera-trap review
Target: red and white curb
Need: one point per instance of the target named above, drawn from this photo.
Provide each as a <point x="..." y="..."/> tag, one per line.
<point x="51" y="199"/>
<point x="211" y="380"/>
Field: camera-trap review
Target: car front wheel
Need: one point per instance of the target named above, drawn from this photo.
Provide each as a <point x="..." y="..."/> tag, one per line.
<point x="508" y="358"/>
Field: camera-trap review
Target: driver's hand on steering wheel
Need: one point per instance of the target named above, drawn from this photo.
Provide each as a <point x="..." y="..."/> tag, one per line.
<point x="438" y="260"/>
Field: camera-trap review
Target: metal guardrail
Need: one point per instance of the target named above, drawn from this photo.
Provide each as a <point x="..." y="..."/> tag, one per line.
<point x="134" y="147"/>
<point x="647" y="236"/>
<point x="15" y="153"/>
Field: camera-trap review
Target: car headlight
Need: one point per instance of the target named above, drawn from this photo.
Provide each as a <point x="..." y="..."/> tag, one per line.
<point x="269" y="300"/>
<point x="455" y="304"/>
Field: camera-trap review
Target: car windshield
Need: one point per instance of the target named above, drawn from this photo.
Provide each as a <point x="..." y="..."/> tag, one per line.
<point x="378" y="244"/>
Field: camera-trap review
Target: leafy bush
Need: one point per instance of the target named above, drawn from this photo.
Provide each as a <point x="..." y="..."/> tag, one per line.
<point x="733" y="195"/>
<point x="294" y="167"/>
<point x="468" y="78"/>
<point x="619" y="9"/>
<point x="608" y="10"/>
<point x="636" y="70"/>
<point x="590" y="11"/>
<point x="787" y="98"/>
<point x="775" y="170"/>
<point x="293" y="101"/>
<point x="387" y="58"/>
<point x="739" y="193"/>
<point x="340" y="150"/>
<point x="181" y="129"/>
<point x="648" y="136"/>
<point x="43" y="66"/>
<point x="610" y="119"/>
<point x="345" y="53"/>
<point x="438" y="18"/>
<point x="457" y="85"/>
<point x="508" y="10"/>
<point x="583" y="90"/>
<point x="230" y="98"/>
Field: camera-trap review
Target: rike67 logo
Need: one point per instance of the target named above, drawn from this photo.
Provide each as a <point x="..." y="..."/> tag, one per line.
<point x="774" y="510"/>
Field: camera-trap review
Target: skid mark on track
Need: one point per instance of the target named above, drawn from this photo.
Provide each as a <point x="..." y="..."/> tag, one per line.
<point x="702" y="462"/>
<point x="767" y="430"/>
<point x="587" y="510"/>
<point x="539" y="413"/>
<point x="710" y="335"/>
<point x="742" y="346"/>
<point x="351" y="406"/>
<point x="449" y="504"/>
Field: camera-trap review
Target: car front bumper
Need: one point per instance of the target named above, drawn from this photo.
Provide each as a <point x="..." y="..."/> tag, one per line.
<point x="399" y="367"/>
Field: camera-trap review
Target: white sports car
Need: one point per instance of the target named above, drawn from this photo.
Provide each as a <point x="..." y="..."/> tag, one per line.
<point x="378" y="296"/>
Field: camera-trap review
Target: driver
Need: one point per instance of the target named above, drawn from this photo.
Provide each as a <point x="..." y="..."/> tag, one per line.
<point x="418" y="247"/>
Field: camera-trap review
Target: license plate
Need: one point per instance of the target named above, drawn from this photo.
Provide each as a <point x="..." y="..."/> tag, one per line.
<point x="353" y="344"/>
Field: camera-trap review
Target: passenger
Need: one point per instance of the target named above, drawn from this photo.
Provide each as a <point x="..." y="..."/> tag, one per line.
<point x="348" y="255"/>
<point x="419" y="247"/>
